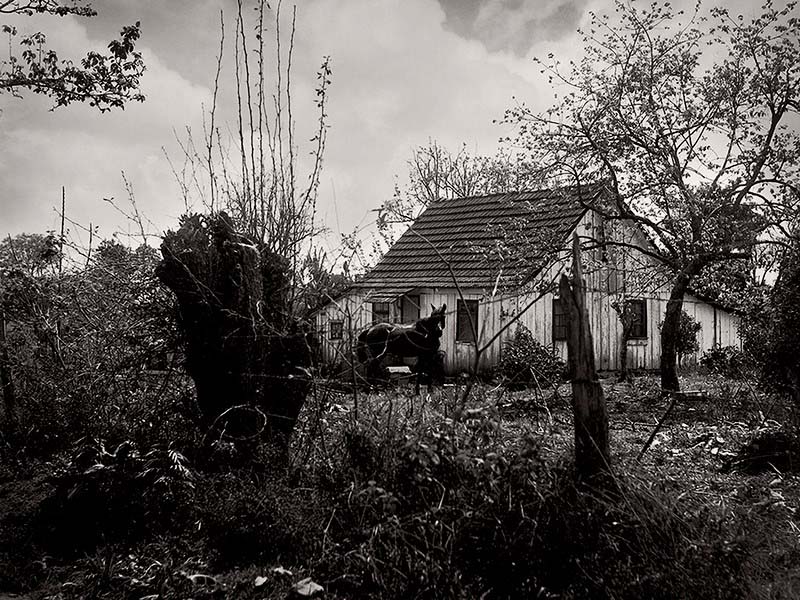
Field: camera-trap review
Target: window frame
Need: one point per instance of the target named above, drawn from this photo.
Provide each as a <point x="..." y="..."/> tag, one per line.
<point x="336" y="326"/>
<point x="377" y="314"/>
<point x="639" y="329"/>
<point x="464" y="332"/>
<point x="559" y="321"/>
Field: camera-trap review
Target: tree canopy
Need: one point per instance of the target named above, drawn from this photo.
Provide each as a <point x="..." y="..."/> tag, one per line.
<point x="104" y="81"/>
<point x="687" y="120"/>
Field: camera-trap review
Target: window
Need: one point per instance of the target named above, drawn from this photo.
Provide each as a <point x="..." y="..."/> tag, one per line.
<point x="559" y="321"/>
<point x="464" y="331"/>
<point x="380" y="312"/>
<point x="409" y="309"/>
<point x="336" y="330"/>
<point x="638" y="310"/>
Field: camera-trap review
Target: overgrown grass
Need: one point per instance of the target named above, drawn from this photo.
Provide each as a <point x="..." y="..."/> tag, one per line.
<point x="402" y="501"/>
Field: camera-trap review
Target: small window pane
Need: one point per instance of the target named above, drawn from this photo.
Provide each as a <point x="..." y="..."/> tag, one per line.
<point x="559" y="321"/>
<point x="464" y="330"/>
<point x="337" y="330"/>
<point x="638" y="309"/>
<point x="380" y="312"/>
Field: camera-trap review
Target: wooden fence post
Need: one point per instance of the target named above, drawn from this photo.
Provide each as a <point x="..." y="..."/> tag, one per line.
<point x="592" y="459"/>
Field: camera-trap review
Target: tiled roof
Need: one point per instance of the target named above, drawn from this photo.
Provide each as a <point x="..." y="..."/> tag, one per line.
<point x="476" y="236"/>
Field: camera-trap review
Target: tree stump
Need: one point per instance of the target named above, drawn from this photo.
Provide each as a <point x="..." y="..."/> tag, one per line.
<point x="233" y="311"/>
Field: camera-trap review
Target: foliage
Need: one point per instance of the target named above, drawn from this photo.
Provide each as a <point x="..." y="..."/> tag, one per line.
<point x="525" y="362"/>
<point x="732" y="283"/>
<point x="319" y="283"/>
<point x="81" y="343"/>
<point x="687" y="342"/>
<point x="728" y="361"/>
<point x="782" y="359"/>
<point x="754" y="324"/>
<point x="105" y="81"/>
<point x="398" y="506"/>
<point x="248" y="367"/>
<point x="117" y="495"/>
<point x="698" y="154"/>
<point x="457" y="510"/>
<point x="250" y="519"/>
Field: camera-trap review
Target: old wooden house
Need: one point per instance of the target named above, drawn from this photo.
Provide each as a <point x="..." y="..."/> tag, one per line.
<point x="494" y="260"/>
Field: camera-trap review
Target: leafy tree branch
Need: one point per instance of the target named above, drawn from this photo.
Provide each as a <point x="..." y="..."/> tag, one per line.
<point x="105" y="81"/>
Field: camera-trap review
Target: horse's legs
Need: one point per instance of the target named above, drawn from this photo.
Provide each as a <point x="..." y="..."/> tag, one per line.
<point x="372" y="365"/>
<point x="424" y="368"/>
<point x="376" y="374"/>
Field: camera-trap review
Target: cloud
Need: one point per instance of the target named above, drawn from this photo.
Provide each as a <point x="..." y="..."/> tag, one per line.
<point x="86" y="151"/>
<point x="514" y="25"/>
<point x="400" y="79"/>
<point x="402" y="75"/>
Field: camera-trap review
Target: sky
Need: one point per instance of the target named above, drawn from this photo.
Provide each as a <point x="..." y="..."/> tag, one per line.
<point x="405" y="72"/>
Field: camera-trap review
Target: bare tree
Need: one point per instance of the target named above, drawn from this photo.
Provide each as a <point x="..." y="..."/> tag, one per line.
<point x="435" y="173"/>
<point x="255" y="174"/>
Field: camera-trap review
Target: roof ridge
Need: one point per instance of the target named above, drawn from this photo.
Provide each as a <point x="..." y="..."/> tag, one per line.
<point x="550" y="192"/>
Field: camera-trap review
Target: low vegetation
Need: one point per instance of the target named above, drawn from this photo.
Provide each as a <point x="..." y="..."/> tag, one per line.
<point x="526" y="362"/>
<point x="404" y="502"/>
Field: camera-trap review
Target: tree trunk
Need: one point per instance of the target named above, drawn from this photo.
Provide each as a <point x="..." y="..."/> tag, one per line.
<point x="7" y="380"/>
<point x="669" y="334"/>
<point x="626" y="320"/>
<point x="592" y="457"/>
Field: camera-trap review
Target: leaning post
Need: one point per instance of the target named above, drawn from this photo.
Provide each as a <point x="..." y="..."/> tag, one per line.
<point x="592" y="457"/>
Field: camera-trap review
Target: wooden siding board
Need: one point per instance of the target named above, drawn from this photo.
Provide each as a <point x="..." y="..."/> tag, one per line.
<point x="642" y="355"/>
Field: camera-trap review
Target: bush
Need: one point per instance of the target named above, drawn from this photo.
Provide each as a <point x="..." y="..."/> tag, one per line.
<point x="687" y="336"/>
<point x="250" y="519"/>
<point x="80" y="345"/>
<point x="727" y="361"/>
<point x="118" y="496"/>
<point x="686" y="342"/>
<point x="527" y="362"/>
<point x="781" y="365"/>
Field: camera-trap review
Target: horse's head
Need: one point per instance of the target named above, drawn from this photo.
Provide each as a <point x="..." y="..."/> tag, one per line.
<point x="433" y="326"/>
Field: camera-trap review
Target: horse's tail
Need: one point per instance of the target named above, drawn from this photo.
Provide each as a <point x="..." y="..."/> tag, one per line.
<point x="362" y="348"/>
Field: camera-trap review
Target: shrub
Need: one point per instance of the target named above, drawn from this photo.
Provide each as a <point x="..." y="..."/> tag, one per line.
<point x="686" y="343"/>
<point x="687" y="335"/>
<point x="727" y="361"/>
<point x="527" y="362"/>
<point x="119" y="496"/>
<point x="80" y="344"/>
<point x="781" y="365"/>
<point x="249" y="519"/>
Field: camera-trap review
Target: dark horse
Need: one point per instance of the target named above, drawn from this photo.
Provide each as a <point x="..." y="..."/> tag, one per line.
<point x="420" y="339"/>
